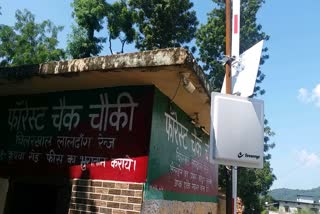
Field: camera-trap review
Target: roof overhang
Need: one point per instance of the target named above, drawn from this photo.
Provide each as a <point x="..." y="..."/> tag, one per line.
<point x="163" y="68"/>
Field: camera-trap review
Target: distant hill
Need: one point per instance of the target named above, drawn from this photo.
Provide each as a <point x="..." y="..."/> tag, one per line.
<point x="291" y="194"/>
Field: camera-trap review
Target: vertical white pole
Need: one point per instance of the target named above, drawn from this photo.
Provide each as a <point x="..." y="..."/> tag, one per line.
<point x="235" y="49"/>
<point x="234" y="188"/>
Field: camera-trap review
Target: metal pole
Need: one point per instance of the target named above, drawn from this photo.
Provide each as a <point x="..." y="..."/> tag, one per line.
<point x="235" y="50"/>
<point x="228" y="46"/>
<point x="228" y="176"/>
<point x="228" y="91"/>
<point x="234" y="188"/>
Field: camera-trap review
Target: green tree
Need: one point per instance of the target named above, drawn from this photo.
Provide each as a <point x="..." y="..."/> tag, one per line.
<point x="164" y="23"/>
<point x="28" y="42"/>
<point x="252" y="183"/>
<point x="89" y="16"/>
<point x="120" y="24"/>
<point x="79" y="45"/>
<point x="211" y="39"/>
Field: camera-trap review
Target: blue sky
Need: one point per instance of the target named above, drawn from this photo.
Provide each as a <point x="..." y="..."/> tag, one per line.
<point x="292" y="101"/>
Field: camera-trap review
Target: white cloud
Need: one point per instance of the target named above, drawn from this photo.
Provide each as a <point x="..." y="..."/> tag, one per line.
<point x="316" y="95"/>
<point x="310" y="97"/>
<point x="303" y="95"/>
<point x="308" y="159"/>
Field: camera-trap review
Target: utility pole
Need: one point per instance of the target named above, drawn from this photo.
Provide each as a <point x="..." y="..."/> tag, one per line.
<point x="228" y="91"/>
<point x="228" y="46"/>
<point x="235" y="52"/>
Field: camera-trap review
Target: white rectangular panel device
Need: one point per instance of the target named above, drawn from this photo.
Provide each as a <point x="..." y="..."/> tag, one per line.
<point x="237" y="131"/>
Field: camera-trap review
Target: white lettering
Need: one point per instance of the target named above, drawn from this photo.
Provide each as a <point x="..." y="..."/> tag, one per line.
<point x="34" y="156"/>
<point x="123" y="163"/>
<point x="177" y="183"/>
<point x="67" y="116"/>
<point x="193" y="176"/>
<point x="186" y="185"/>
<point x="195" y="187"/>
<point x="71" y="159"/>
<point x="196" y="145"/>
<point x="25" y="117"/>
<point x="106" y="142"/>
<point x="14" y="155"/>
<point x="54" y="158"/>
<point x="176" y="131"/>
<point x="118" y="119"/>
<point x="181" y="158"/>
<point x="64" y="142"/>
<point x="33" y="141"/>
<point x="94" y="161"/>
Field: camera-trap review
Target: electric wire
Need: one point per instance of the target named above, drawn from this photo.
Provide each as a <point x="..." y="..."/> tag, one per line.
<point x="176" y="92"/>
<point x="285" y="175"/>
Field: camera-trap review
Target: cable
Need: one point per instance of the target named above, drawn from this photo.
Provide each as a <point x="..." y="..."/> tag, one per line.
<point x="285" y="175"/>
<point x="175" y="94"/>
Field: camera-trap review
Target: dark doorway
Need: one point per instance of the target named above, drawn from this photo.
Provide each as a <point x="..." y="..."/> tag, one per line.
<point x="37" y="198"/>
<point x="33" y="198"/>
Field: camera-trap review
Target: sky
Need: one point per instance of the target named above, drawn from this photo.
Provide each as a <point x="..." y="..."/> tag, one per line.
<point x="292" y="83"/>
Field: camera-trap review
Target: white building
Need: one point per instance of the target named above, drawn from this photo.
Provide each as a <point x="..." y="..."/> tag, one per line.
<point x="292" y="207"/>
<point x="305" y="199"/>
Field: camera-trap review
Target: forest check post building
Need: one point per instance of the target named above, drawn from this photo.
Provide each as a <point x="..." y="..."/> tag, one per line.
<point x="111" y="134"/>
